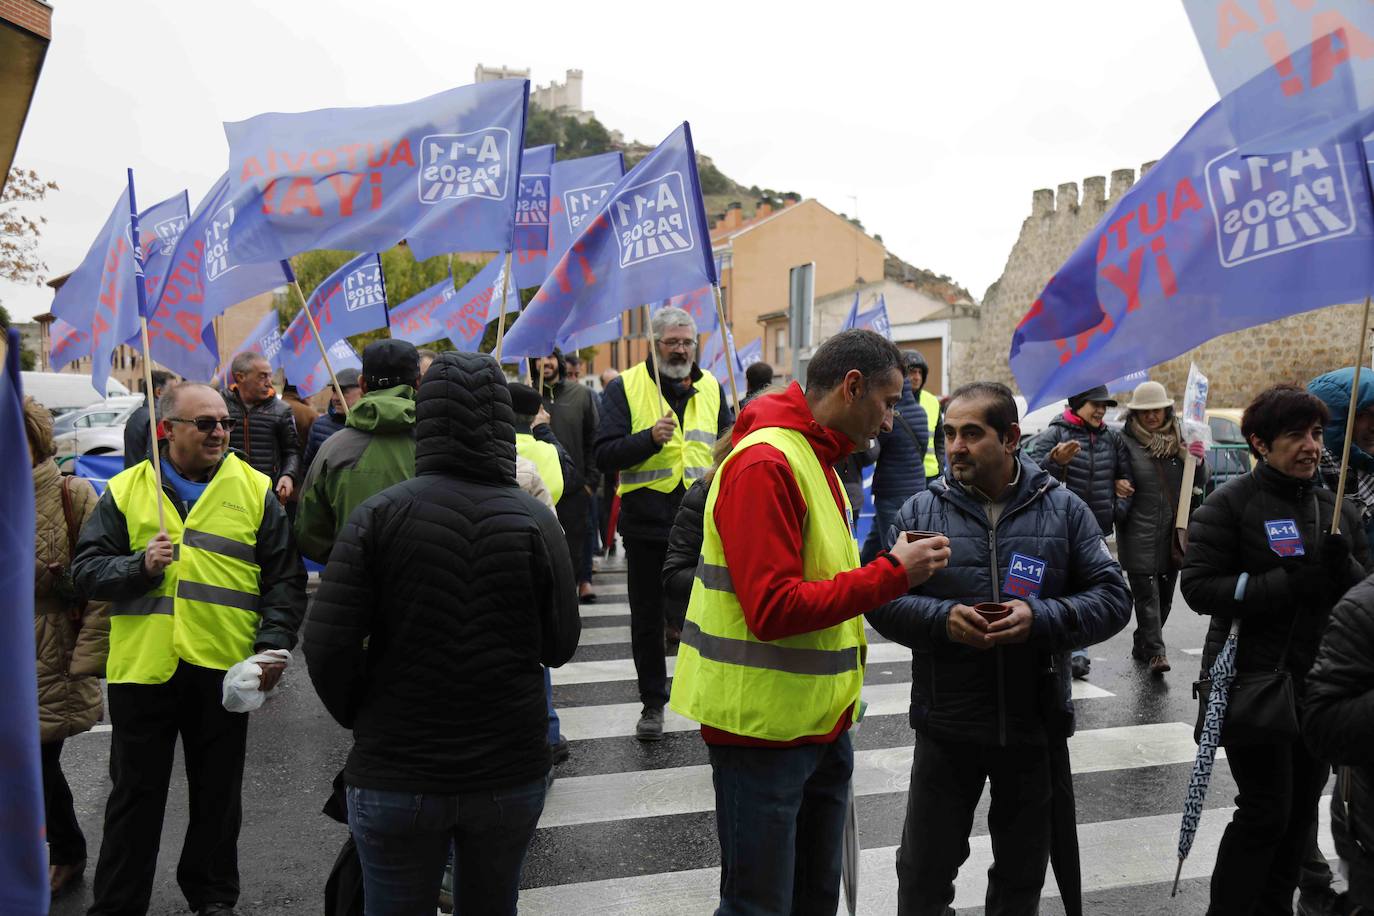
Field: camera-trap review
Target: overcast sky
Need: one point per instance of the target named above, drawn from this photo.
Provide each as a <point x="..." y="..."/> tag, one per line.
<point x="940" y="117"/>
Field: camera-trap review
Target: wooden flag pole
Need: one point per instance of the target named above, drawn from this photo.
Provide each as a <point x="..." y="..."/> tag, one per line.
<point x="319" y="341"/>
<point x="141" y="293"/>
<point x="653" y="360"/>
<point x="725" y="341"/>
<point x="1350" y="418"/>
<point x="501" y="315"/>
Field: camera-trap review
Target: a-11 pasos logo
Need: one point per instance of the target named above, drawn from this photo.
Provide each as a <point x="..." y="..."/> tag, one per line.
<point x="459" y="166"/>
<point x="650" y="220"/>
<point x="363" y="288"/>
<point x="218" y="260"/>
<point x="532" y="209"/>
<point x="169" y="232"/>
<point x="580" y="204"/>
<point x="1267" y="205"/>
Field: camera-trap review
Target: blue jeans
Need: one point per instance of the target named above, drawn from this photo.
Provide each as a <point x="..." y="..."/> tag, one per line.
<point x="403" y="841"/>
<point x="555" y="731"/>
<point x="780" y="819"/>
<point x="885" y="509"/>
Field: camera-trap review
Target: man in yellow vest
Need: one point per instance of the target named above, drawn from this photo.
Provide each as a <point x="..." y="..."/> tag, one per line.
<point x="773" y="648"/>
<point x="916" y="371"/>
<point x="220" y="583"/>
<point x="658" y="455"/>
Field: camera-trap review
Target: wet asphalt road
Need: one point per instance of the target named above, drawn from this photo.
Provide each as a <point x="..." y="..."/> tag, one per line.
<point x="287" y="846"/>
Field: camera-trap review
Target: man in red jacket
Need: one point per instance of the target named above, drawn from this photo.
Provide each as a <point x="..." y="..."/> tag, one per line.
<point x="782" y="786"/>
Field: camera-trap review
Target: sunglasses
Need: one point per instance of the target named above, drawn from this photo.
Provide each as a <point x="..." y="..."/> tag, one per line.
<point x="207" y="424"/>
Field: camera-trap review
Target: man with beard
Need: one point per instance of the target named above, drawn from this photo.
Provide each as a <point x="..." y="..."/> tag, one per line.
<point x="658" y="455"/>
<point x="572" y="417"/>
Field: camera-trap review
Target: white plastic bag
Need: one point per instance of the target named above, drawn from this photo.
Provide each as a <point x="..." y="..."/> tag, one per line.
<point x="242" y="682"/>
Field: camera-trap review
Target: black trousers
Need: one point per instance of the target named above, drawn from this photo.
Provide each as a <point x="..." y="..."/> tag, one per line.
<point x="572" y="515"/>
<point x="66" y="842"/>
<point x="147" y="719"/>
<point x="644" y="581"/>
<point x="1266" y="842"/>
<point x="946" y="782"/>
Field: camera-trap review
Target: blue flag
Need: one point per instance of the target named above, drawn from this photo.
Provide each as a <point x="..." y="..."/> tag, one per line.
<point x="1207" y="242"/>
<point x="420" y="319"/>
<point x="851" y="319"/>
<point x="648" y="241"/>
<point x="206" y="275"/>
<point x="578" y="188"/>
<point x="68" y="344"/>
<point x="341" y="356"/>
<point x="23" y="852"/>
<point x="466" y="317"/>
<point x="715" y="353"/>
<point x="1319" y="56"/>
<point x="100" y="299"/>
<point x="700" y="304"/>
<point x="440" y="172"/>
<point x="350" y="301"/>
<point x="590" y="337"/>
<point x="530" y="254"/>
<point x="875" y="319"/>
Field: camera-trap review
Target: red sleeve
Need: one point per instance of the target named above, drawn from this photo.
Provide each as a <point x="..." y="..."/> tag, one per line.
<point x="759" y="513"/>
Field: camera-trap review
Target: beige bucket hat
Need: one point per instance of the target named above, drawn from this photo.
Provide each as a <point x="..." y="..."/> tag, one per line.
<point x="1149" y="396"/>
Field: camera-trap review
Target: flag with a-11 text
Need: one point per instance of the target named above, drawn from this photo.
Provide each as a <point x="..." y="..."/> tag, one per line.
<point x="530" y="253"/>
<point x="341" y="356"/>
<point x="577" y="189"/>
<point x="465" y="317"/>
<point x="875" y="319"/>
<point x="350" y="301"/>
<point x="648" y="241"/>
<point x="420" y="319"/>
<point x="100" y="299"/>
<point x="440" y="172"/>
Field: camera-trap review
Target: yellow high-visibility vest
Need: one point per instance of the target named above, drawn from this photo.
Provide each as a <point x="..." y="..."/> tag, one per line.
<point x="205" y="609"/>
<point x="788" y="688"/>
<point x="686" y="456"/>
<point x="545" y="458"/>
<point x="931" y="404"/>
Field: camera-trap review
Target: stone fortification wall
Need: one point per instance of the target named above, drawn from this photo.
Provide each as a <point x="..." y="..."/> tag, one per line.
<point x="1239" y="365"/>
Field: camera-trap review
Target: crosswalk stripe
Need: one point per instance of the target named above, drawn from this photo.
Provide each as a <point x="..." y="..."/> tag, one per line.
<point x="1122" y="853"/>
<point x="684" y="790"/>
<point x="606" y="609"/>
<point x="582" y="723"/>
<point x="623" y="669"/>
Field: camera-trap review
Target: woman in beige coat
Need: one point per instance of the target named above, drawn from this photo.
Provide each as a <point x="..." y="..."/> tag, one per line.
<point x="72" y="640"/>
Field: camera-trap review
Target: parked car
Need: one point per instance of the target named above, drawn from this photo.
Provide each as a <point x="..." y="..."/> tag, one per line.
<point x="96" y="430"/>
<point x="1037" y="420"/>
<point x="64" y="392"/>
<point x="1229" y="456"/>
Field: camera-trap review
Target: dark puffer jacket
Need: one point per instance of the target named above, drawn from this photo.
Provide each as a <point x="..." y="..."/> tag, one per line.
<point x="1227" y="539"/>
<point x="442" y="597"/>
<point x="266" y="435"/>
<point x="1339" y="727"/>
<point x="646" y="514"/>
<point x="325" y="425"/>
<point x="1101" y="461"/>
<point x="1016" y="694"/>
<point x="901" y="469"/>
<point x="684" y="549"/>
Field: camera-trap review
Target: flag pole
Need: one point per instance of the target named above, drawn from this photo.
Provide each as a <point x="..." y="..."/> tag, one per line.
<point x="1350" y="417"/>
<point x="142" y="295"/>
<point x="501" y="315"/>
<point x="726" y="340"/>
<point x="314" y="329"/>
<point x="653" y="360"/>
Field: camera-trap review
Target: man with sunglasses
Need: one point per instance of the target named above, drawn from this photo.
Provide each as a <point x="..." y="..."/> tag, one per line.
<point x="265" y="430"/>
<point x="658" y="454"/>
<point x="214" y="581"/>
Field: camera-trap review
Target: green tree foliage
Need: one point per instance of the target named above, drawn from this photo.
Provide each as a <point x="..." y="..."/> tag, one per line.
<point x="573" y="138"/>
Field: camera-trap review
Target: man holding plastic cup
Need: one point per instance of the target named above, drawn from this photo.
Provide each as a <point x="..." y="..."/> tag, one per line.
<point x="1029" y="579"/>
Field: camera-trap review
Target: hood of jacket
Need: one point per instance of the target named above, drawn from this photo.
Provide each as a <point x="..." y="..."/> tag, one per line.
<point x="1334" y="390"/>
<point x="385" y="411"/>
<point x="789" y="410"/>
<point x="464" y="422"/>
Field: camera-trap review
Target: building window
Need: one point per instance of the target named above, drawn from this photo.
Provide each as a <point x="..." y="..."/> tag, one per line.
<point x="779" y="347"/>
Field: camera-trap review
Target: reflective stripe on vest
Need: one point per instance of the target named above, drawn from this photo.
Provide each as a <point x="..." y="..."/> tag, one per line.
<point x="783" y="689"/>
<point x="688" y="455"/>
<point x="545" y="458"/>
<point x="931" y="404"/>
<point x="205" y="609"/>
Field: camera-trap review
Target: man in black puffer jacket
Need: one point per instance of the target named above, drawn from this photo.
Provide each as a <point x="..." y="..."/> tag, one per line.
<point x="442" y="597"/>
<point x="1339" y="727"/>
<point x="265" y="428"/>
<point x="989" y="700"/>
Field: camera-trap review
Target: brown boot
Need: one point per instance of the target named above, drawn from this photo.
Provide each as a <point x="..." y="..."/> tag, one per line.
<point x="1159" y="664"/>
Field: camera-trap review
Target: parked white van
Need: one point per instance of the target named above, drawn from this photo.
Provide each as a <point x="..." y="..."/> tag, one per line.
<point x="61" y="392"/>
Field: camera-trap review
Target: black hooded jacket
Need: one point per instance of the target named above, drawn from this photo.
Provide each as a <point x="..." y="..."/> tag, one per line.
<point x="442" y="597"/>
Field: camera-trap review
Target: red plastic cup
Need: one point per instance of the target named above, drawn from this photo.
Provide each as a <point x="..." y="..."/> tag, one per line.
<point x="992" y="611"/>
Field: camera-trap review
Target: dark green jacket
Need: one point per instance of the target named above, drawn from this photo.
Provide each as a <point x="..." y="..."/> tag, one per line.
<point x="374" y="450"/>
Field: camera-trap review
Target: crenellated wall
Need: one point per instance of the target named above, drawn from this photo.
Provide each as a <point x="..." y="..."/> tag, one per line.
<point x="1239" y="365"/>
